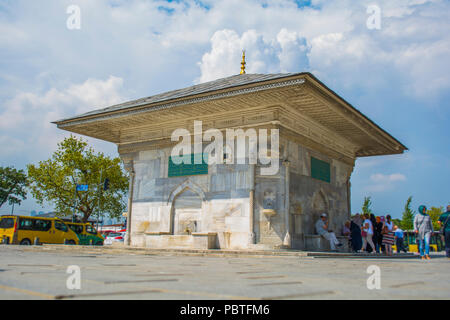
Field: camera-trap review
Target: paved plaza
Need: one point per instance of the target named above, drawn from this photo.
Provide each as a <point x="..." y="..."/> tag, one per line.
<point x="40" y="272"/>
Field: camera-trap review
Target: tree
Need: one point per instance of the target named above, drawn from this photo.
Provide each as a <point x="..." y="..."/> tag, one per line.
<point x="13" y="186"/>
<point x="366" y="206"/>
<point x="397" y="222"/>
<point x="74" y="163"/>
<point x="434" y="214"/>
<point x="408" y="216"/>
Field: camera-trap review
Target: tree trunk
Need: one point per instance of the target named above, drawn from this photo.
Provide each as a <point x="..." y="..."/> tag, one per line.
<point x="86" y="216"/>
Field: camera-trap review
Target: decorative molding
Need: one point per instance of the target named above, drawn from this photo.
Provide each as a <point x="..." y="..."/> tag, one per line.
<point x="187" y="184"/>
<point x="228" y="94"/>
<point x="307" y="110"/>
<point x="354" y="118"/>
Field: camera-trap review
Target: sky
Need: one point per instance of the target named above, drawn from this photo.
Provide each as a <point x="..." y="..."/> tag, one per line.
<point x="389" y="59"/>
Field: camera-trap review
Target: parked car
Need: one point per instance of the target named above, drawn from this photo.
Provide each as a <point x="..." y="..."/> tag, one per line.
<point x="86" y="233"/>
<point x="24" y="229"/>
<point x="115" y="237"/>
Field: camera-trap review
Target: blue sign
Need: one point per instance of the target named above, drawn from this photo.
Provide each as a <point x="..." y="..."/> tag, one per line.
<point x="82" y="187"/>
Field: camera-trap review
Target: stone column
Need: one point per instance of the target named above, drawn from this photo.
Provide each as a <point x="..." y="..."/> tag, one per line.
<point x="349" y="195"/>
<point x="287" y="237"/>
<point x="129" y="166"/>
<point x="349" y="207"/>
<point x="251" y="234"/>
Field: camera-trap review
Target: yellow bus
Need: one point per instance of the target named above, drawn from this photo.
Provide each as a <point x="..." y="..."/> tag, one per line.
<point x="24" y="230"/>
<point x="86" y="233"/>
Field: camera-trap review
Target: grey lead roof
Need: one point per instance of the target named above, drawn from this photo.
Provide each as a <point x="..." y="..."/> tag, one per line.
<point x="224" y="83"/>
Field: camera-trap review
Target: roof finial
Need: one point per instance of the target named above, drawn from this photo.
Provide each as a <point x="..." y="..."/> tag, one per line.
<point x="243" y="62"/>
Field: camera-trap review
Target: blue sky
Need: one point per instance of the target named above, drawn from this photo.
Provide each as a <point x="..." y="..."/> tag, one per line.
<point x="396" y="75"/>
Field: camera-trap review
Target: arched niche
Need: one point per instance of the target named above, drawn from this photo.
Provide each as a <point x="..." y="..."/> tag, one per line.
<point x="188" y="184"/>
<point x="320" y="204"/>
<point x="186" y="214"/>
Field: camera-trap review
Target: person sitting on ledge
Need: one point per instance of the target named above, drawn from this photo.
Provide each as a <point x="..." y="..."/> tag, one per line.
<point x="322" y="230"/>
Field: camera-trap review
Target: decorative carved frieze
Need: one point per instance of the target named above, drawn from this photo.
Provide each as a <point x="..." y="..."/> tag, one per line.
<point x="301" y="105"/>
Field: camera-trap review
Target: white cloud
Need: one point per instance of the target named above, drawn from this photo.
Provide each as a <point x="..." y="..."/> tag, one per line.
<point x="155" y="51"/>
<point x="381" y="178"/>
<point x="334" y="43"/>
<point x="286" y="52"/>
<point x="140" y="42"/>
<point x="411" y="46"/>
<point x="45" y="67"/>
<point x="25" y="120"/>
<point x="293" y="51"/>
<point x="382" y="182"/>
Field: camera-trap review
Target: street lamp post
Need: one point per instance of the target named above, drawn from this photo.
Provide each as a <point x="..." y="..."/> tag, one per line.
<point x="74" y="202"/>
<point x="99" y="191"/>
<point x="76" y="186"/>
<point x="98" y="195"/>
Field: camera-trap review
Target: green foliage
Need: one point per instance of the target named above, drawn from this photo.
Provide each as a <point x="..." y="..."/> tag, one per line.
<point x="434" y="214"/>
<point x="397" y="222"/>
<point x="366" y="206"/>
<point x="55" y="180"/>
<point x="408" y="216"/>
<point x="13" y="184"/>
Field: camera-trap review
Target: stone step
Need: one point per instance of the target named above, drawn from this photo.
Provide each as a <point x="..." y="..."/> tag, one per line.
<point x="261" y="246"/>
<point x="181" y="251"/>
<point x="219" y="252"/>
<point x="361" y="255"/>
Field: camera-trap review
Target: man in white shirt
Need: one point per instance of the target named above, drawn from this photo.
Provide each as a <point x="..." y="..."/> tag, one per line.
<point x="322" y="229"/>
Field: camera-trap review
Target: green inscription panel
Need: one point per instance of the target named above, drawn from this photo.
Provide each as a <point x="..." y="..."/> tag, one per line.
<point x="320" y="170"/>
<point x="184" y="169"/>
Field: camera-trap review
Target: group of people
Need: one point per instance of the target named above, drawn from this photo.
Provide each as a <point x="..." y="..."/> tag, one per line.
<point x="368" y="233"/>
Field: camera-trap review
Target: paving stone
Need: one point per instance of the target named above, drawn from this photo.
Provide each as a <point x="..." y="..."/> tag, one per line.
<point x="41" y="273"/>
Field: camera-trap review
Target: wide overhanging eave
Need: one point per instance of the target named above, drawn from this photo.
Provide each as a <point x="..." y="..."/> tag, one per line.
<point x="137" y="107"/>
<point x="97" y="125"/>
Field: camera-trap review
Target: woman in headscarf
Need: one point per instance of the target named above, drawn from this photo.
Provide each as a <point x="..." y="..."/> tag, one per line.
<point x="355" y="229"/>
<point x="377" y="236"/>
<point x="423" y="229"/>
<point x="388" y="235"/>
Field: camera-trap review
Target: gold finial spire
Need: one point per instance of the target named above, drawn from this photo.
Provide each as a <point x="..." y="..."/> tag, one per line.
<point x="243" y="62"/>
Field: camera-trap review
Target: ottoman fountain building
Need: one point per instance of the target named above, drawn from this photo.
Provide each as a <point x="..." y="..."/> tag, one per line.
<point x="234" y="204"/>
